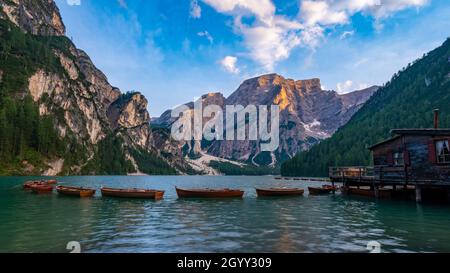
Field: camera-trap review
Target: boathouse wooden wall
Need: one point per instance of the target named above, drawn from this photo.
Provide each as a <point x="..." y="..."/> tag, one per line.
<point x="420" y="162"/>
<point x="383" y="155"/>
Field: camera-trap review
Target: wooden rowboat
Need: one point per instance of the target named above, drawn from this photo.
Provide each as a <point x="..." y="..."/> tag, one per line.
<point x="382" y="193"/>
<point x="75" y="191"/>
<point x="209" y="193"/>
<point x="279" y="192"/>
<point x="133" y="193"/>
<point x="356" y="191"/>
<point x="51" y="182"/>
<point x="319" y="191"/>
<point x="29" y="184"/>
<point x="42" y="188"/>
<point x="333" y="188"/>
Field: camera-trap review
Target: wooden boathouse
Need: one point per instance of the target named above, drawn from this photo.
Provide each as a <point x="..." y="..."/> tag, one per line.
<point x="413" y="162"/>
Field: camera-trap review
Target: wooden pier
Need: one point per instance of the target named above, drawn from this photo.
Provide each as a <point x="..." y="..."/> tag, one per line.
<point x="380" y="175"/>
<point x="416" y="159"/>
<point x="388" y="182"/>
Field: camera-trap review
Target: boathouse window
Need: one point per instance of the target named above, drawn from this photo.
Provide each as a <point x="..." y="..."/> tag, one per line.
<point x="443" y="151"/>
<point x="399" y="159"/>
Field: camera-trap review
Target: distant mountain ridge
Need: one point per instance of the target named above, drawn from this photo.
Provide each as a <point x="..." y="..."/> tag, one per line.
<point x="308" y="115"/>
<point x="406" y="101"/>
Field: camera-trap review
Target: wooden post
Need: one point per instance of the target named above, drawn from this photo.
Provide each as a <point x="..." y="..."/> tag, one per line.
<point x="406" y="175"/>
<point x="418" y="194"/>
<point x="377" y="192"/>
<point x="381" y="174"/>
<point x="360" y="175"/>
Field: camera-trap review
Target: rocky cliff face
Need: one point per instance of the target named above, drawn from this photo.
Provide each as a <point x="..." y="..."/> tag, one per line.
<point x="84" y="105"/>
<point x="308" y="115"/>
<point x="39" y="17"/>
<point x="190" y="148"/>
<point x="129" y="115"/>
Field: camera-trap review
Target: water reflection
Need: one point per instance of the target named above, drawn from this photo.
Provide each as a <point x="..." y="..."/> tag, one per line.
<point x="45" y="223"/>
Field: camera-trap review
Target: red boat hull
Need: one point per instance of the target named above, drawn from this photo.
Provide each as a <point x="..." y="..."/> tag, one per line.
<point x="28" y="185"/>
<point x="279" y="192"/>
<point x="206" y="193"/>
<point x="51" y="182"/>
<point x="320" y="191"/>
<point x="367" y="192"/>
<point x="41" y="189"/>
<point x="133" y="193"/>
<point x="76" y="192"/>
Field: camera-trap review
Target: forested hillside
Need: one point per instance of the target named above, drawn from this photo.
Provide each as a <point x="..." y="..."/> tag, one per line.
<point x="406" y="101"/>
<point x="24" y="134"/>
<point x="29" y="140"/>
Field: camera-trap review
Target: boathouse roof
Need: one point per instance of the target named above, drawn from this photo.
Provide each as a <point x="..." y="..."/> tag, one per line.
<point x="397" y="133"/>
<point x="384" y="142"/>
<point x="422" y="132"/>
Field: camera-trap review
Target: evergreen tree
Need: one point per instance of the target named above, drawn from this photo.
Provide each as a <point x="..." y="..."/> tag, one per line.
<point x="406" y="101"/>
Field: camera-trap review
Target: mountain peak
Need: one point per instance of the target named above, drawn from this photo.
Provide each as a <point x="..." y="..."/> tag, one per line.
<point x="35" y="17"/>
<point x="212" y="95"/>
<point x="309" y="85"/>
<point x="277" y="79"/>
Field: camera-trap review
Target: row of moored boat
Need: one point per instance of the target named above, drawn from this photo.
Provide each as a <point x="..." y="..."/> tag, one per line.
<point x="49" y="186"/>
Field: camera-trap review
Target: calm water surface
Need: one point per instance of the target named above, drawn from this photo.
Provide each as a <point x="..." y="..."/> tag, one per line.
<point x="46" y="223"/>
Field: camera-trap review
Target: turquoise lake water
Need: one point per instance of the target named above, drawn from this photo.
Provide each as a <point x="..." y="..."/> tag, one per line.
<point x="334" y="223"/>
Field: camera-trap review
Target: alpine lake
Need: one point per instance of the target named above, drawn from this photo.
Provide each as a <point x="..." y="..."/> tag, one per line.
<point x="329" y="223"/>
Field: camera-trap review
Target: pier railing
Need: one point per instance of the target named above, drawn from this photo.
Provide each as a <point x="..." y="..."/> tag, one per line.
<point x="357" y="172"/>
<point x="394" y="174"/>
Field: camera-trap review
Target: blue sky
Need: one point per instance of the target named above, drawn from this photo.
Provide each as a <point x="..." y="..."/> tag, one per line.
<point x="175" y="50"/>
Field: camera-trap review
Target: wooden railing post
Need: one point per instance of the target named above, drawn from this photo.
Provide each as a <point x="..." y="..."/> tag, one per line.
<point x="381" y="174"/>
<point x="360" y="174"/>
<point x="406" y="174"/>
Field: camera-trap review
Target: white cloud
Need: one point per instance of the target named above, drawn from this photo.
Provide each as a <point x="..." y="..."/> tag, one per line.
<point x="73" y="2"/>
<point x="271" y="37"/>
<point x="320" y="12"/>
<point x="195" y="10"/>
<point x="360" y="62"/>
<point x="331" y="12"/>
<point x="229" y="64"/>
<point x="346" y="34"/>
<point x="344" y="87"/>
<point x="207" y="35"/>
<point x="263" y="9"/>
<point x="349" y="86"/>
<point x="271" y="43"/>
<point x="387" y="7"/>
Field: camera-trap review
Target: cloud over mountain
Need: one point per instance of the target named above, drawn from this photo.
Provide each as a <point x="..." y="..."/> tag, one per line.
<point x="271" y="37"/>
